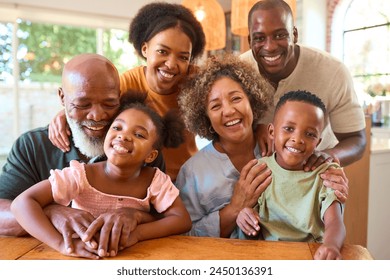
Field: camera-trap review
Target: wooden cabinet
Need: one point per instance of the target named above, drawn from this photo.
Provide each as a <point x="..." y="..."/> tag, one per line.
<point x="356" y="208"/>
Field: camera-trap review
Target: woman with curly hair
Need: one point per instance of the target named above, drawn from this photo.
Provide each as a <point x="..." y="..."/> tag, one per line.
<point x="170" y="39"/>
<point x="222" y="103"/>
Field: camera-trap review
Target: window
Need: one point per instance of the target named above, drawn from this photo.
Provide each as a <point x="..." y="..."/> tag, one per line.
<point x="5" y="51"/>
<point x="366" y="49"/>
<point x="28" y="88"/>
<point x="6" y="80"/>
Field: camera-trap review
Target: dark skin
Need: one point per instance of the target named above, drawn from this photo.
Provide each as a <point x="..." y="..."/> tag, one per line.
<point x="228" y="101"/>
<point x="168" y="51"/>
<point x="31" y="201"/>
<point x="90" y="91"/>
<point x="304" y="136"/>
<point x="129" y="144"/>
<point x="272" y="38"/>
<point x="351" y="145"/>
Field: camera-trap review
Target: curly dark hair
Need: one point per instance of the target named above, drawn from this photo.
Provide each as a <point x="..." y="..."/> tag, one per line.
<point x="193" y="97"/>
<point x="156" y="17"/>
<point x="169" y="128"/>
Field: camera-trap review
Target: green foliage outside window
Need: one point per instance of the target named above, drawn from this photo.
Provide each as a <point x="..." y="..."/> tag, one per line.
<point x="46" y="48"/>
<point x="117" y="49"/>
<point x="5" y="50"/>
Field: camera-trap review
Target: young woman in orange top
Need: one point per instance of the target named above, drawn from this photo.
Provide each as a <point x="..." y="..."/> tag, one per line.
<point x="169" y="38"/>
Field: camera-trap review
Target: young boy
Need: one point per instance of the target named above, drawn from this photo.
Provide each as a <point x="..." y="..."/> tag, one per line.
<point x="297" y="206"/>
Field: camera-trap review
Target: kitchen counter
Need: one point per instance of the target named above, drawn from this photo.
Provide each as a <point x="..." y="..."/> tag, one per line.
<point x="380" y="145"/>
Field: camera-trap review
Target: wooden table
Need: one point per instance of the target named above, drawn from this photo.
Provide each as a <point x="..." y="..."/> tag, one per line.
<point x="184" y="248"/>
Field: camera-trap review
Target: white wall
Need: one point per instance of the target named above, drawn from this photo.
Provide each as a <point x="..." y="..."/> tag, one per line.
<point x="72" y="13"/>
<point x="337" y="28"/>
<point x="113" y="8"/>
<point x="313" y="25"/>
<point x="95" y="13"/>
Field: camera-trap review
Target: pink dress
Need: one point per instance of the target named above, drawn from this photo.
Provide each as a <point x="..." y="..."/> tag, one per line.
<point x="71" y="185"/>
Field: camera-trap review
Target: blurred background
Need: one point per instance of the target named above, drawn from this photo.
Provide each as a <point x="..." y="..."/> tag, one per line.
<point x="38" y="36"/>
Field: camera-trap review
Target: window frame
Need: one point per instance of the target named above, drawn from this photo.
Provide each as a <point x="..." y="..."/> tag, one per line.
<point x="11" y="13"/>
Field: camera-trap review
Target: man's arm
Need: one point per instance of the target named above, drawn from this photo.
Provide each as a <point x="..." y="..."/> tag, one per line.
<point x="29" y="161"/>
<point x="350" y="148"/>
<point x="17" y="175"/>
<point x="8" y="224"/>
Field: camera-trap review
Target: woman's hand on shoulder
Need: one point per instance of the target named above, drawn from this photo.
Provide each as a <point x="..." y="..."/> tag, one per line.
<point x="254" y="179"/>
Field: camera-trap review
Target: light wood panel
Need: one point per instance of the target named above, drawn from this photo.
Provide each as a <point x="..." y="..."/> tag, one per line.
<point x="356" y="208"/>
<point x="186" y="248"/>
<point x="12" y="248"/>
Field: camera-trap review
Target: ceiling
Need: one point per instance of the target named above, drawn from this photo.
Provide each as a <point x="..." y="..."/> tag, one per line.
<point x="113" y="8"/>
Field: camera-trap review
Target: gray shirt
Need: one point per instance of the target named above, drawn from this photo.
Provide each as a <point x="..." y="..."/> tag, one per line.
<point x="30" y="160"/>
<point x="206" y="182"/>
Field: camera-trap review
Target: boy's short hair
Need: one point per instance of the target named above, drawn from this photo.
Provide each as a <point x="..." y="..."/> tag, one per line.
<point x="303" y="96"/>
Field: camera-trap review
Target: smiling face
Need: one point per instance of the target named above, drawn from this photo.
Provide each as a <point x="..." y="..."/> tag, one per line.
<point x="90" y="94"/>
<point x="229" y="111"/>
<point x="131" y="139"/>
<point x="272" y="40"/>
<point x="296" y="132"/>
<point x="168" y="56"/>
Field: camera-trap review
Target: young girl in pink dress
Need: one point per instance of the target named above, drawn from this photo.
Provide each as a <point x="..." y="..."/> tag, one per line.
<point x="135" y="138"/>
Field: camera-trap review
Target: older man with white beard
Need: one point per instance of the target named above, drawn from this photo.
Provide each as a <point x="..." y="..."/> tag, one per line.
<point x="90" y="94"/>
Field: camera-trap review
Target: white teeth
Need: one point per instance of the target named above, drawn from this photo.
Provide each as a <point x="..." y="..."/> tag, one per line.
<point x="293" y="150"/>
<point x="232" y="122"/>
<point x="120" y="149"/>
<point x="271" y="58"/>
<point x="166" y="75"/>
<point x="95" y="127"/>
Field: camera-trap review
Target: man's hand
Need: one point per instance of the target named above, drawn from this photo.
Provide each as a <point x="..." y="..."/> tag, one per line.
<point x="115" y="227"/>
<point x="69" y="222"/>
<point x="336" y="179"/>
<point x="59" y="132"/>
<point x="318" y="158"/>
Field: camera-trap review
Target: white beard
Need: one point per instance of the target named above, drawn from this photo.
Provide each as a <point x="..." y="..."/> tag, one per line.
<point x="89" y="146"/>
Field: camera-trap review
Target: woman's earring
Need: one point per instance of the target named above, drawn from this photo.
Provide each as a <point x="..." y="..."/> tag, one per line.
<point x="211" y="129"/>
